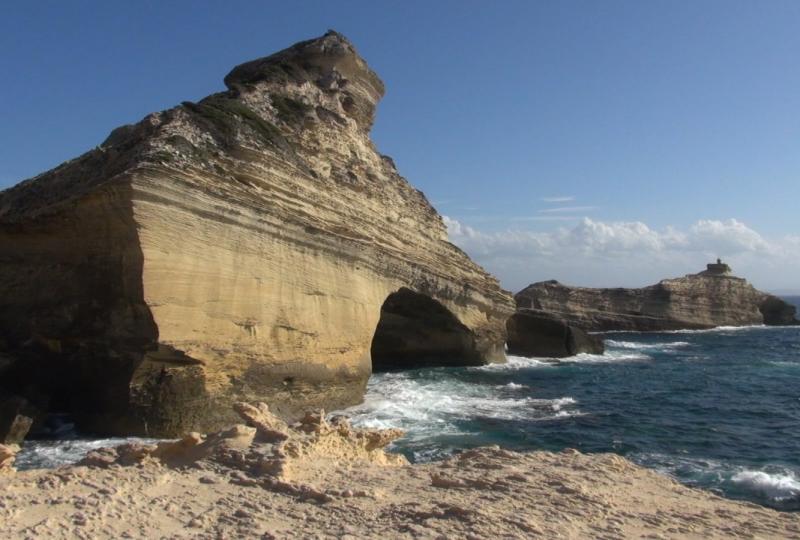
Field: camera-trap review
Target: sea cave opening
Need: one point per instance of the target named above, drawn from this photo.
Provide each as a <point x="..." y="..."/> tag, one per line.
<point x="416" y="331"/>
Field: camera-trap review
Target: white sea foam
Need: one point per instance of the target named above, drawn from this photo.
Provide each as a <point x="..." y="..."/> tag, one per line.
<point x="645" y="346"/>
<point x="779" y="484"/>
<point x="514" y="363"/>
<point x="520" y="362"/>
<point x="607" y="357"/>
<point x="512" y="386"/>
<point x="776" y="486"/>
<point x="696" y="331"/>
<point x="719" y="329"/>
<point x="427" y="407"/>
<point x="786" y="363"/>
<point x="558" y="404"/>
<point x="38" y="454"/>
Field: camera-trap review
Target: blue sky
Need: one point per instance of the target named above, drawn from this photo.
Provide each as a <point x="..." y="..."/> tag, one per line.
<point x="598" y="143"/>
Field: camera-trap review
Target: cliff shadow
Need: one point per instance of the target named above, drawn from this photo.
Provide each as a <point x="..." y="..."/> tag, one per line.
<point x="416" y="331"/>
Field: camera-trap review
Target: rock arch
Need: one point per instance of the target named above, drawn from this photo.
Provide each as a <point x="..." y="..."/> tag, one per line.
<point x="234" y="249"/>
<point x="416" y="331"/>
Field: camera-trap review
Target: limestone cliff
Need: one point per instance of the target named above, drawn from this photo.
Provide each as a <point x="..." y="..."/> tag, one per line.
<point x="246" y="247"/>
<point x="711" y="298"/>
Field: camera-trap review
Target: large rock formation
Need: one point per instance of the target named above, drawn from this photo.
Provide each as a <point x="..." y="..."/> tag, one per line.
<point x="246" y="247"/>
<point x="711" y="298"/>
<point x="533" y="332"/>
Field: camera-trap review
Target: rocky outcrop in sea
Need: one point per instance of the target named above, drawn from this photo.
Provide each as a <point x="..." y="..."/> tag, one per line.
<point x="708" y="299"/>
<point x="251" y="246"/>
<point x="534" y="332"/>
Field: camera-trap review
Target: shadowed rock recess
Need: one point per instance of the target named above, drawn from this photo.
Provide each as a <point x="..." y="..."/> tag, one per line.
<point x="538" y="333"/>
<point x="240" y="248"/>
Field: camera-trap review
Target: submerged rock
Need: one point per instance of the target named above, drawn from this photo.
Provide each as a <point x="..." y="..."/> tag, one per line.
<point x="247" y="247"/>
<point x="538" y="333"/>
<point x="708" y="299"/>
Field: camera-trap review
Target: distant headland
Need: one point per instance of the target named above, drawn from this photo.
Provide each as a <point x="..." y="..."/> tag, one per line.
<point x="711" y="298"/>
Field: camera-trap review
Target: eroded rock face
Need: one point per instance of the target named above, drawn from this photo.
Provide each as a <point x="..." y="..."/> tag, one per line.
<point x="695" y="301"/>
<point x="258" y="456"/>
<point x="539" y="333"/>
<point x="236" y="249"/>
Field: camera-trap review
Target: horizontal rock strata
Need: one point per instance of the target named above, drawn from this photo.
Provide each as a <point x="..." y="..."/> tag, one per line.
<point x="695" y="301"/>
<point x="237" y="248"/>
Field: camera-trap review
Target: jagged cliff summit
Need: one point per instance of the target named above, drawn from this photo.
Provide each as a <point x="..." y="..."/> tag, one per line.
<point x="711" y="298"/>
<point x="251" y="246"/>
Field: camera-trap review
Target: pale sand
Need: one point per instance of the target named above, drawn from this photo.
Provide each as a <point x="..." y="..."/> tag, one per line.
<point x="331" y="482"/>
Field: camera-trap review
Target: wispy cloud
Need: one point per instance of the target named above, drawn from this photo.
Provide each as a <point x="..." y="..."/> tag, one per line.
<point x="558" y="199"/>
<point x="567" y="209"/>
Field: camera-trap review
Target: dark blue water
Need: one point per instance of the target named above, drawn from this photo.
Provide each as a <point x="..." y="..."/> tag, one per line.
<point x="716" y="409"/>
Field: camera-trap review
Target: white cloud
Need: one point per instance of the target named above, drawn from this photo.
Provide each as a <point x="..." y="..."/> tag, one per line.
<point x="456" y="230"/>
<point x="727" y="237"/>
<point x="558" y="199"/>
<point x="598" y="253"/>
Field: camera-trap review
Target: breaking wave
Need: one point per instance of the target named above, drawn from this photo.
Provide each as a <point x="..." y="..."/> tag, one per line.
<point x="516" y="363"/>
<point x="50" y="454"/>
<point x="607" y="357"/>
<point x="429" y="405"/>
<point x="715" y="330"/>
<point x="644" y="346"/>
<point x="778" y="487"/>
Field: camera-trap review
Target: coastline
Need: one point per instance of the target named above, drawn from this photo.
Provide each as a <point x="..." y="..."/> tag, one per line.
<point x="481" y="493"/>
<point x="183" y="300"/>
<point x="528" y="405"/>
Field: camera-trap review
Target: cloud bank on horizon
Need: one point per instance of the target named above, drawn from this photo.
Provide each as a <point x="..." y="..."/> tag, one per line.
<point x="609" y="254"/>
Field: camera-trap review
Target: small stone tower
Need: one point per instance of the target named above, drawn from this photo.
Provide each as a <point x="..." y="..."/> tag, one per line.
<point x="718" y="268"/>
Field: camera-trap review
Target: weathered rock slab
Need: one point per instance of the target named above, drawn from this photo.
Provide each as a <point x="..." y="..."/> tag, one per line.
<point x="16" y="420"/>
<point x="538" y="333"/>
